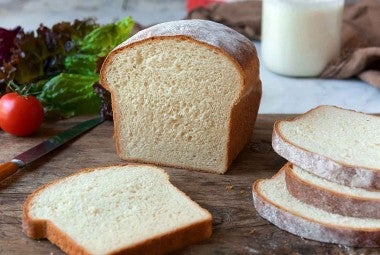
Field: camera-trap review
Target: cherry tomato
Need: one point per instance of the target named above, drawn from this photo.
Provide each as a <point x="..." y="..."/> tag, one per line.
<point x="20" y="115"/>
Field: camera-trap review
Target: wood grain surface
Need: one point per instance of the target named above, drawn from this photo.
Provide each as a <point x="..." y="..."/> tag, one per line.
<point x="237" y="228"/>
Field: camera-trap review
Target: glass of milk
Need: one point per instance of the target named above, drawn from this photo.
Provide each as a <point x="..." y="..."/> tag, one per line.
<point x="299" y="37"/>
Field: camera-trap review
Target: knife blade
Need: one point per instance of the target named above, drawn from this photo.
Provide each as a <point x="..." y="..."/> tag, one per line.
<point x="38" y="151"/>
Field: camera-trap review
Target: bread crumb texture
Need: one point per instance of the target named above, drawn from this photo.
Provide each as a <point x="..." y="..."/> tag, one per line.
<point x="173" y="102"/>
<point x="115" y="207"/>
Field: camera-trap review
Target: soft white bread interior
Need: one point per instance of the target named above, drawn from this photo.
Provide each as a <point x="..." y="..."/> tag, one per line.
<point x="330" y="196"/>
<point x="131" y="209"/>
<point x="340" y="145"/>
<point x="184" y="94"/>
<point x="274" y="203"/>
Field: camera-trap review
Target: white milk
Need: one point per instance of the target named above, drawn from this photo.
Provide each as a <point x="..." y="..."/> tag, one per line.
<point x="299" y="37"/>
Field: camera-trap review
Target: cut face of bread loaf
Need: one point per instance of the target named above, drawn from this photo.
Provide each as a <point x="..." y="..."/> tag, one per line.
<point x="184" y="94"/>
<point x="131" y="209"/>
<point x="340" y="145"/>
<point x="274" y="203"/>
<point x="330" y="196"/>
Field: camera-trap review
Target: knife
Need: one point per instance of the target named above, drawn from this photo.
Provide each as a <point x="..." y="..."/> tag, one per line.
<point x="25" y="158"/>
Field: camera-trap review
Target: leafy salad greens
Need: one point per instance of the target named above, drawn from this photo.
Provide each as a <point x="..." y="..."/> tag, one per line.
<point x="60" y="64"/>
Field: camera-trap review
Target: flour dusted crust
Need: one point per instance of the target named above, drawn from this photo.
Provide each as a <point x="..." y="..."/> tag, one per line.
<point x="174" y="240"/>
<point x="294" y="223"/>
<point x="330" y="200"/>
<point x="332" y="170"/>
<point x="234" y="46"/>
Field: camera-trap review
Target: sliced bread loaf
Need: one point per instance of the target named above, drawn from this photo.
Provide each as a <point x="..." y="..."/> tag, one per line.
<point x="131" y="209"/>
<point x="274" y="203"/>
<point x="340" y="145"/>
<point x="330" y="196"/>
<point x="184" y="94"/>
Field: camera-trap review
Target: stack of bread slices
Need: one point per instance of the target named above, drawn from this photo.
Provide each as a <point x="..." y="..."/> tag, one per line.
<point x="329" y="190"/>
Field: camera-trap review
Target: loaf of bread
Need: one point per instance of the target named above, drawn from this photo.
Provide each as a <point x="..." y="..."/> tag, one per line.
<point x="274" y="203"/>
<point x="330" y="196"/>
<point x="340" y="145"/>
<point x="131" y="209"/>
<point x="184" y="94"/>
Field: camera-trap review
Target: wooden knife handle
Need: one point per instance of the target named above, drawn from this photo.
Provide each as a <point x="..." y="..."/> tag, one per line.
<point x="7" y="169"/>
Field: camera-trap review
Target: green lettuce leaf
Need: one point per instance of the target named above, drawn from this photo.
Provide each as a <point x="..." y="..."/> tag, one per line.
<point x="40" y="54"/>
<point x="67" y="95"/>
<point x="102" y="40"/>
<point x="81" y="64"/>
<point x="61" y="64"/>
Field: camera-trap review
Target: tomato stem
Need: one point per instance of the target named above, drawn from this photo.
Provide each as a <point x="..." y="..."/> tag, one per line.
<point x="22" y="90"/>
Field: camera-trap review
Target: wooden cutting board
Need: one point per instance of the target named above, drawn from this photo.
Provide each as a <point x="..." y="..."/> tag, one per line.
<point x="237" y="228"/>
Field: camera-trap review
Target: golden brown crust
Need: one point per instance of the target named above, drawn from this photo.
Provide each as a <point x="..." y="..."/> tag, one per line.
<point x="177" y="239"/>
<point x="323" y="166"/>
<point x="243" y="118"/>
<point x="171" y="241"/>
<point x="244" y="111"/>
<point x="308" y="228"/>
<point x="330" y="200"/>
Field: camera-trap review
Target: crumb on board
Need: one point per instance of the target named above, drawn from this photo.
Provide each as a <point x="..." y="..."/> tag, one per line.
<point x="229" y="187"/>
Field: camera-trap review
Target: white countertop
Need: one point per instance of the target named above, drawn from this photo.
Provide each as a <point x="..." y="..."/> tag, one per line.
<point x="296" y="95"/>
<point x="280" y="94"/>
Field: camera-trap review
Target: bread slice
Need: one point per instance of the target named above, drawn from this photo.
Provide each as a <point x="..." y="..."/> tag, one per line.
<point x="340" y="145"/>
<point x="184" y="94"/>
<point x="131" y="209"/>
<point x="330" y="196"/>
<point x="274" y="203"/>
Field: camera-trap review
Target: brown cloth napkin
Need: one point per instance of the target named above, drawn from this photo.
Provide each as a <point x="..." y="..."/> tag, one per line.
<point x="244" y="16"/>
<point x="360" y="54"/>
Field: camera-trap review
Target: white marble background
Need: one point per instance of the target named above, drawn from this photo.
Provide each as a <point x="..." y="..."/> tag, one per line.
<point x="280" y="94"/>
